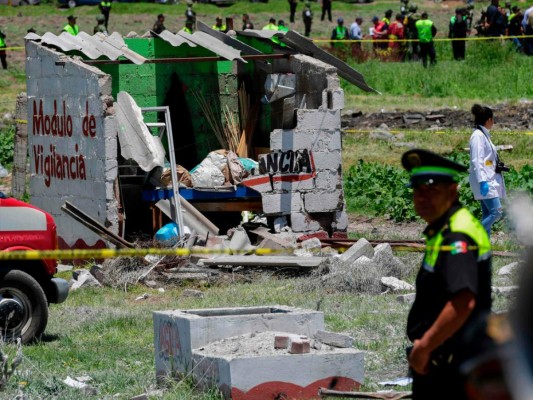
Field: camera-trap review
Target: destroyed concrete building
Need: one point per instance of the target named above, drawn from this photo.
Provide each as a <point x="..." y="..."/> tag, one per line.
<point x="73" y="133"/>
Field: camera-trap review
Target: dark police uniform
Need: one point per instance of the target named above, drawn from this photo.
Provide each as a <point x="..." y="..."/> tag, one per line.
<point x="457" y="257"/>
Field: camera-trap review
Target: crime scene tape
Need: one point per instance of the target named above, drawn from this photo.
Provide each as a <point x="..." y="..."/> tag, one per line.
<point x="12" y="48"/>
<point x="75" y="254"/>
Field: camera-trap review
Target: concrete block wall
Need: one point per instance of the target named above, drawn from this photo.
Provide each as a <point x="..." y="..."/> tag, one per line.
<point x="71" y="143"/>
<point x="309" y="193"/>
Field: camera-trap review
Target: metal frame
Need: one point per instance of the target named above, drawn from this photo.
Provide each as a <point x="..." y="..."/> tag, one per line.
<point x="166" y="127"/>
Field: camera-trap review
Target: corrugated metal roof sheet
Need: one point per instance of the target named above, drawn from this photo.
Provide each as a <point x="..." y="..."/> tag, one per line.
<point x="204" y="40"/>
<point x="263" y="34"/>
<point x="93" y="47"/>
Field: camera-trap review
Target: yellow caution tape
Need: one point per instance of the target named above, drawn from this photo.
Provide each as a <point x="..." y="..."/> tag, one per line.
<point x="21" y="121"/>
<point x="12" y="48"/>
<point x="75" y="254"/>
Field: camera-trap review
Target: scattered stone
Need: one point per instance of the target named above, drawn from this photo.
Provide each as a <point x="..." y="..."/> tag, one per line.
<point x="150" y="284"/>
<point x="506" y="291"/>
<point x="508" y="269"/>
<point x="334" y="339"/>
<point x="360" y="276"/>
<point x="96" y="271"/>
<point x="86" y="389"/>
<point x="381" y="135"/>
<point x="310" y="247"/>
<point x="83" y="278"/>
<point x="64" y="268"/>
<point x="142" y="297"/>
<point x="433" y="117"/>
<point x="360" y="248"/>
<point x="192" y="293"/>
<point x="388" y="263"/>
<point x="240" y="242"/>
<point x="408" y="298"/>
<point x="395" y="284"/>
<point x="161" y="290"/>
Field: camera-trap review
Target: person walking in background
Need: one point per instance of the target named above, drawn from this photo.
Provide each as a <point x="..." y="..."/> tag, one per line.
<point x="105" y="9"/>
<point x="219" y="25"/>
<point x="453" y="285"/>
<point x="159" y="24"/>
<point x="271" y="26"/>
<point x="71" y="27"/>
<point x="339" y="33"/>
<point x="3" y="46"/>
<point x="379" y="32"/>
<point x="355" y="30"/>
<point x="307" y="16"/>
<point x="514" y="28"/>
<point x="495" y="19"/>
<point x="326" y="8"/>
<point x="190" y="14"/>
<point x="486" y="179"/>
<point x="396" y="36"/>
<point x="387" y="17"/>
<point x="292" y="8"/>
<point x="100" y="25"/>
<point x="426" y="33"/>
<point x="247" y="22"/>
<point x="457" y="30"/>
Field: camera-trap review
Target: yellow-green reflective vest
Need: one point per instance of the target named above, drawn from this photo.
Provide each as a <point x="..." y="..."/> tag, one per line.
<point x="219" y="28"/>
<point x="424" y="30"/>
<point x="73" y="30"/>
<point x="105" y="4"/>
<point x="2" y="42"/>
<point x="187" y="30"/>
<point x="462" y="221"/>
<point x="281" y="29"/>
<point x="270" y="27"/>
<point x="340" y="32"/>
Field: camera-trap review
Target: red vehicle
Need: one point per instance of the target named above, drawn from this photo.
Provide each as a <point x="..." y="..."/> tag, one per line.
<point x="27" y="286"/>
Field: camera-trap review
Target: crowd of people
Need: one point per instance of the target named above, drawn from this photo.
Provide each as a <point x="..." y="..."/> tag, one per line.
<point x="406" y="36"/>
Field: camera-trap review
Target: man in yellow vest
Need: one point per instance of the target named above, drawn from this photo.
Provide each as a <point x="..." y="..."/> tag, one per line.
<point x="272" y="26"/>
<point x="453" y="285"/>
<point x="339" y="33"/>
<point x="105" y="9"/>
<point x="219" y="25"/>
<point x="3" y="57"/>
<point x="71" y="27"/>
<point x="426" y="33"/>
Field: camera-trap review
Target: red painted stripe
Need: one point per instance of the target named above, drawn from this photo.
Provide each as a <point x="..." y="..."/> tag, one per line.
<point x="286" y="390"/>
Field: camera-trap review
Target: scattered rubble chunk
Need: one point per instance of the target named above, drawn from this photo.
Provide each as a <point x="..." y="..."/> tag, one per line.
<point x="334" y="339"/>
<point x="83" y="278"/>
<point x="192" y="293"/>
<point x="506" y="291"/>
<point x="408" y="298"/>
<point x="265" y="261"/>
<point x="299" y="346"/>
<point x="389" y="264"/>
<point x="360" y="276"/>
<point x="360" y="248"/>
<point x="508" y="269"/>
<point x="396" y="284"/>
<point x="74" y="383"/>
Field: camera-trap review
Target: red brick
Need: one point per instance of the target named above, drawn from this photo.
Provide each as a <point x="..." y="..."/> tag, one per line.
<point x="317" y="234"/>
<point x="281" y="341"/>
<point x="339" y="235"/>
<point x="300" y="346"/>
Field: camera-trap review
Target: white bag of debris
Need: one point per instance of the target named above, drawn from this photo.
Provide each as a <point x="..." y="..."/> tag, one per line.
<point x="207" y="175"/>
<point x="136" y="141"/>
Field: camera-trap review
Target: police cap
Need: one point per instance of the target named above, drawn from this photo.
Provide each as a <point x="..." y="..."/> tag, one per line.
<point x="427" y="167"/>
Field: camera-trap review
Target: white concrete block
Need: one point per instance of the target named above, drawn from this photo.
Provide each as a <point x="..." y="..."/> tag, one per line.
<point x="301" y="222"/>
<point x="322" y="201"/>
<point x="328" y="180"/>
<point x="318" y="119"/>
<point x="307" y="183"/>
<point x="281" y="203"/>
<point x="327" y="160"/>
<point x="311" y="139"/>
<point x="340" y="223"/>
<point x="359" y="249"/>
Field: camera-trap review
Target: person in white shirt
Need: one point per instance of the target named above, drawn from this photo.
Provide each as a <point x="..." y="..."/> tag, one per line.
<point x="355" y="29"/>
<point x="486" y="179"/>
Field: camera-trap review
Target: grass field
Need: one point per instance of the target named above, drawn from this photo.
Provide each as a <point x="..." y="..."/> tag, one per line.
<point x="108" y="335"/>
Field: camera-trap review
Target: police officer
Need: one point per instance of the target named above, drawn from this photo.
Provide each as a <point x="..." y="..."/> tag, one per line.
<point x="339" y="32"/>
<point x="105" y="9"/>
<point x="190" y="15"/>
<point x="426" y="32"/>
<point x="71" y="27"/>
<point x="458" y="29"/>
<point x="219" y="25"/>
<point x="307" y="16"/>
<point x="453" y="285"/>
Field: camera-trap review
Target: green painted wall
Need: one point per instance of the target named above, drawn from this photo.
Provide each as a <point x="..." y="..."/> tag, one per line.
<point x="149" y="85"/>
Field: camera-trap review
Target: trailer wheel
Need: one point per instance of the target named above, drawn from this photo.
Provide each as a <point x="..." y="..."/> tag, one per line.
<point x="23" y="307"/>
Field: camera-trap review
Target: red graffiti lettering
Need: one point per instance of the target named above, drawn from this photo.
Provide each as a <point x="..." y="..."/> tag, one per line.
<point x="58" y="166"/>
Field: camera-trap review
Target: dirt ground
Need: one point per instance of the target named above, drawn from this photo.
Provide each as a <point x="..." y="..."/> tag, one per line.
<point x="508" y="117"/>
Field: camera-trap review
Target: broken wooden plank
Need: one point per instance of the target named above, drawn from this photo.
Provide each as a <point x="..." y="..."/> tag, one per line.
<point x="264" y="261"/>
<point x="334" y="339"/>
